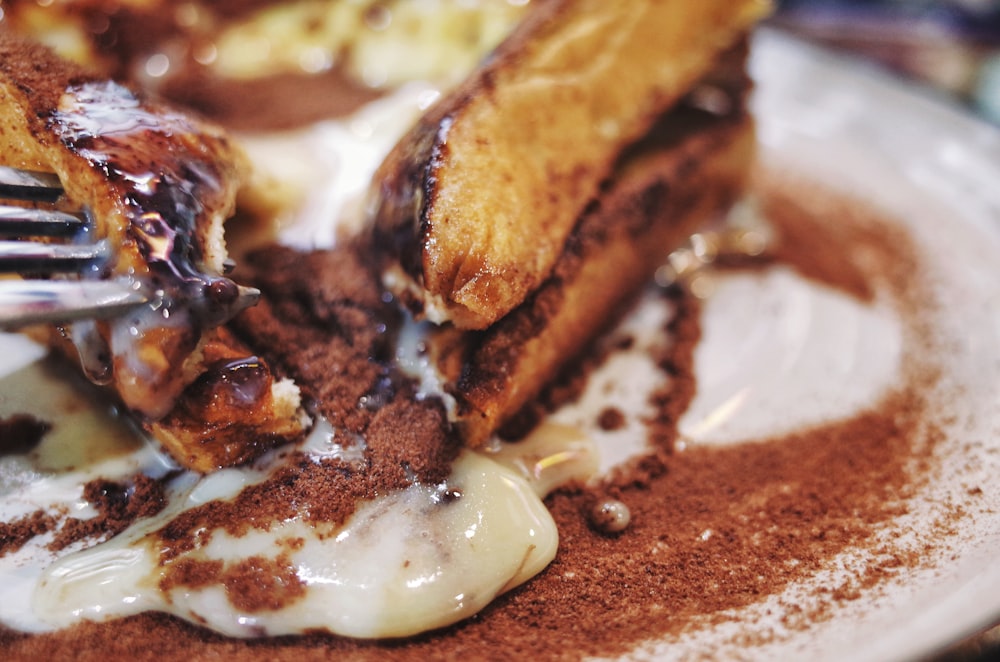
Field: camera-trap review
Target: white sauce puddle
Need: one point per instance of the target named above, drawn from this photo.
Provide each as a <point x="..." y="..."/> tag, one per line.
<point x="404" y="563"/>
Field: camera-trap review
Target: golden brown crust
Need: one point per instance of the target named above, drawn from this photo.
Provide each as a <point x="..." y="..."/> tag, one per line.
<point x="233" y="412"/>
<point x="101" y="139"/>
<point x="39" y="75"/>
<point x="478" y="199"/>
<point x="690" y="168"/>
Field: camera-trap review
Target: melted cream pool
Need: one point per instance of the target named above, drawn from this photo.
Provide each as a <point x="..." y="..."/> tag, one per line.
<point x="404" y="563"/>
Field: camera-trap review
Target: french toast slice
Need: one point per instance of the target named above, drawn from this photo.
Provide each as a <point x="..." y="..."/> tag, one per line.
<point x="475" y="204"/>
<point x="689" y="170"/>
<point x="156" y="185"/>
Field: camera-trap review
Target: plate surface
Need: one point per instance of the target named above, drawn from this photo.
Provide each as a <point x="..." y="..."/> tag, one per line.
<point x="934" y="169"/>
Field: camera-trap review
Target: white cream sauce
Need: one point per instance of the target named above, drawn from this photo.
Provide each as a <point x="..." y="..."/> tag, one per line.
<point x="405" y="563"/>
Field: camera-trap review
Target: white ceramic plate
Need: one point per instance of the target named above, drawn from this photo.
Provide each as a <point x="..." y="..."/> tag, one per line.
<point x="938" y="171"/>
<point x="781" y="353"/>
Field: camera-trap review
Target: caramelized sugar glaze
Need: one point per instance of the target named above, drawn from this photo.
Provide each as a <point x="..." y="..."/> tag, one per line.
<point x="156" y="186"/>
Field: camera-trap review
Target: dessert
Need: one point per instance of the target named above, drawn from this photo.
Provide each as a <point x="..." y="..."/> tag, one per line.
<point x="290" y="543"/>
<point x="716" y="141"/>
<point x="715" y="533"/>
<point x="690" y="168"/>
<point x="381" y="523"/>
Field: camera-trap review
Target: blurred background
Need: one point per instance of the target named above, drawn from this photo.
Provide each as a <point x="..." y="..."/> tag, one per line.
<point x="951" y="45"/>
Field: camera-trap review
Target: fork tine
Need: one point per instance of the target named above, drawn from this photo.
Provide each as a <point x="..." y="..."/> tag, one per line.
<point x="29" y="185"/>
<point x="21" y="222"/>
<point x="24" y="302"/>
<point x="34" y="257"/>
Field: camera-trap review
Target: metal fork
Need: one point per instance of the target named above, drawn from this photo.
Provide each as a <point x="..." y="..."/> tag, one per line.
<point x="35" y="299"/>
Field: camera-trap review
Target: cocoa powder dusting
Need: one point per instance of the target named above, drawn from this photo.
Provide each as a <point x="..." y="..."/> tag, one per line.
<point x="14" y="534"/>
<point x="611" y="418"/>
<point x="260" y="584"/>
<point x="117" y="506"/>
<point x="326" y="491"/>
<point x="324" y="323"/>
<point x="711" y="530"/>
<point x="192" y="573"/>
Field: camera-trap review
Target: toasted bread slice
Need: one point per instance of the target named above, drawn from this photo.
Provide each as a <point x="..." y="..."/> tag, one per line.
<point x="476" y="202"/>
<point x="659" y="197"/>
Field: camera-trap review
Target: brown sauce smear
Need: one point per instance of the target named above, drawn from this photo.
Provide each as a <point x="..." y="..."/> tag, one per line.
<point x="712" y="529"/>
<point x="21" y="433"/>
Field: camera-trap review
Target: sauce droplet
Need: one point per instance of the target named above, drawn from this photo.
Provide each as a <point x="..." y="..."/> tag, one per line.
<point x="610" y="516"/>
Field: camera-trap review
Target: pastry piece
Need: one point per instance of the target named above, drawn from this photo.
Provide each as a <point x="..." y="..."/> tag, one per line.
<point x="475" y="204"/>
<point x="687" y="171"/>
<point x="156" y="185"/>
